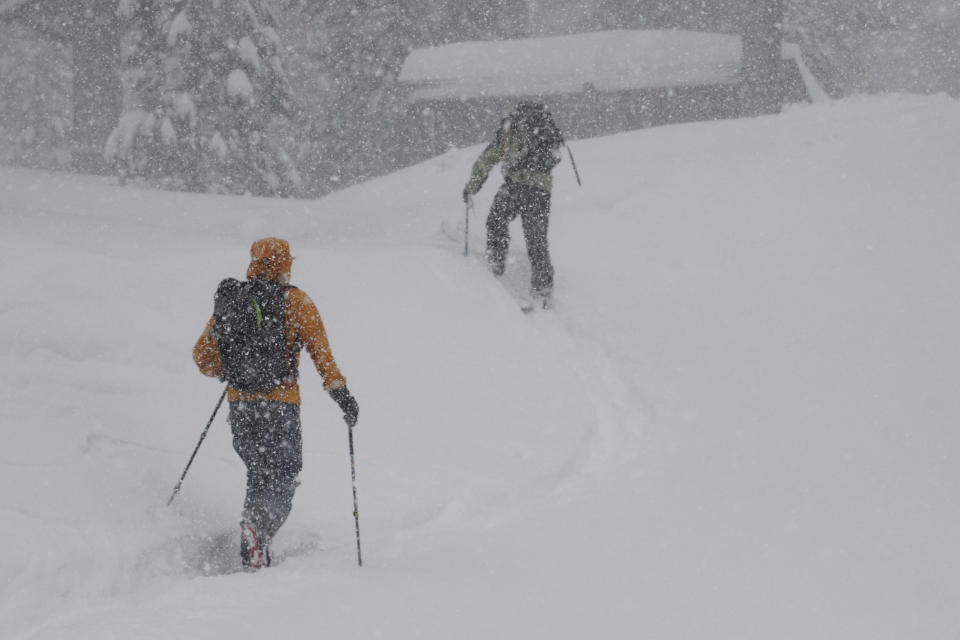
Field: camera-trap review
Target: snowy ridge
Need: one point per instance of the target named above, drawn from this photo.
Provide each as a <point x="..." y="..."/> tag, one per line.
<point x="737" y="422"/>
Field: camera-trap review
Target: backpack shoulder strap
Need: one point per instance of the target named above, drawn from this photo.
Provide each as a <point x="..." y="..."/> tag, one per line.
<point x="226" y="290"/>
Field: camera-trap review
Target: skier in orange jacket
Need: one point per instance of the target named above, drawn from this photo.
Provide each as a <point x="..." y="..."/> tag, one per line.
<point x="266" y="422"/>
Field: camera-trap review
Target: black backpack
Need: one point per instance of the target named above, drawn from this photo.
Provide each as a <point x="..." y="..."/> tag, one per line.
<point x="250" y="324"/>
<point x="543" y="137"/>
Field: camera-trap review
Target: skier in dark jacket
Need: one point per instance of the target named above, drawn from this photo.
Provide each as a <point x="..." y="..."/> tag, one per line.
<point x="266" y="424"/>
<point x="527" y="146"/>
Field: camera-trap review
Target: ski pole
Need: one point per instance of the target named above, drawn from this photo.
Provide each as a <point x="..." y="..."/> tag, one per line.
<point x="203" y="435"/>
<point x="356" y="510"/>
<point x="573" y="163"/>
<point x="466" y="227"/>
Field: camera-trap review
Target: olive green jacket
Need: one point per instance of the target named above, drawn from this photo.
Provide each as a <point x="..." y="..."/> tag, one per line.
<point x="509" y="148"/>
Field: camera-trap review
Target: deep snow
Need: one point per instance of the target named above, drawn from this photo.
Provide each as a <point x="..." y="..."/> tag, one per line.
<point x="739" y="421"/>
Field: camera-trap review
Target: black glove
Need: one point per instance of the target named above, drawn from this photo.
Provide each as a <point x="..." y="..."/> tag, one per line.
<point x="466" y="194"/>
<point x="348" y="404"/>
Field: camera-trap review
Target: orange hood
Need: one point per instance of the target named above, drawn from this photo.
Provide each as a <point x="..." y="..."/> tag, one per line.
<point x="270" y="259"/>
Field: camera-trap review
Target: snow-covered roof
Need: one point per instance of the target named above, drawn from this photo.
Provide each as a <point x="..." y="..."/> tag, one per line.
<point x="606" y="60"/>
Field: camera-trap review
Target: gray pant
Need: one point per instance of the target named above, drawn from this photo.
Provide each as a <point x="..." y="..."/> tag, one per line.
<point x="266" y="435"/>
<point x="533" y="207"/>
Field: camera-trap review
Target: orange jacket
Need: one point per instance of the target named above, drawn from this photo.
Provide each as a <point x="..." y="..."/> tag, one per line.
<point x="304" y="329"/>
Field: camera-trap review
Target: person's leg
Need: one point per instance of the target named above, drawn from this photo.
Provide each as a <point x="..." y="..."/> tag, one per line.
<point x="267" y="437"/>
<point x="498" y="228"/>
<point x="285" y="459"/>
<point x="535" y="216"/>
<point x="245" y="426"/>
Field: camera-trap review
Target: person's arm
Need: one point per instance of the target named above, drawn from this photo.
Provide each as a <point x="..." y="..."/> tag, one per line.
<point x="481" y="169"/>
<point x="206" y="353"/>
<point x="310" y="329"/>
<point x="488" y="159"/>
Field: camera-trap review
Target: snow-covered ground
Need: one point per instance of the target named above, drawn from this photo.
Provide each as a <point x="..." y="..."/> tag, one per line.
<point x="739" y="421"/>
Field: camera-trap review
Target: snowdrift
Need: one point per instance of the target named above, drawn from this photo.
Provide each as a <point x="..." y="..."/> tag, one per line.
<point x="737" y="422"/>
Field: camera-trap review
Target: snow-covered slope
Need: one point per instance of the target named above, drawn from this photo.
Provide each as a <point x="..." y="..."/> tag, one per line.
<point x="737" y="422"/>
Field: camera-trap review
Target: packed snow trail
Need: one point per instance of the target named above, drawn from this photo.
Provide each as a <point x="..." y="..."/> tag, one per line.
<point x="737" y="422"/>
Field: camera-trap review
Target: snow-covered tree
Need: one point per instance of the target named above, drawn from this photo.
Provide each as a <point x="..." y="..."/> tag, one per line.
<point x="205" y="94"/>
<point x="567" y="16"/>
<point x="352" y="53"/>
<point x="831" y="30"/>
<point x="487" y="20"/>
<point x="921" y="52"/>
<point x="87" y="31"/>
<point x="941" y="18"/>
<point x="34" y="99"/>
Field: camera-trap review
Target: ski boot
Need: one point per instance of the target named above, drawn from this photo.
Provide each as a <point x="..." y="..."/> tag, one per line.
<point x="254" y="552"/>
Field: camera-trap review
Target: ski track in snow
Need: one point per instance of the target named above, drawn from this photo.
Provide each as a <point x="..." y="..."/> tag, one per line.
<point x="616" y="433"/>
